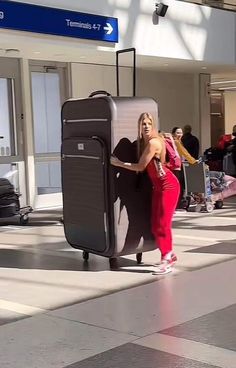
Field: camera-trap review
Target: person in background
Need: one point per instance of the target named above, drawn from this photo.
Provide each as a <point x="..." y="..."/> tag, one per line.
<point x="165" y="193"/>
<point x="231" y="146"/>
<point x="190" y="142"/>
<point x="177" y="134"/>
<point x="226" y="140"/>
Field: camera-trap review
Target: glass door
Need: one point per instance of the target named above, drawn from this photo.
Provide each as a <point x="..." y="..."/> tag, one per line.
<point x="11" y="134"/>
<point x="48" y="94"/>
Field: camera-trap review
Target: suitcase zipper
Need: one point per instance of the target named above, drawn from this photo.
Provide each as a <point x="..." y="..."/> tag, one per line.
<point x="69" y="121"/>
<point x="80" y="156"/>
<point x="105" y="222"/>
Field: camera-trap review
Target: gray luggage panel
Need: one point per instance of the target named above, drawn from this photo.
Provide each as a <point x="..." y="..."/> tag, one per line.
<point x="84" y="187"/>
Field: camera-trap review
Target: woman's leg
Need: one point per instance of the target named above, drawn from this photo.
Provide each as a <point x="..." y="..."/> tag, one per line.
<point x="164" y="204"/>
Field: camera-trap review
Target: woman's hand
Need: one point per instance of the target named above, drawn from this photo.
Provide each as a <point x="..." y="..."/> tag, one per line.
<point x="115" y="161"/>
<point x="168" y="135"/>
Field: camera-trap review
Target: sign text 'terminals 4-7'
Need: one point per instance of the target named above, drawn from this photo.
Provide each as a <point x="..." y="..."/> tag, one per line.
<point x="60" y="22"/>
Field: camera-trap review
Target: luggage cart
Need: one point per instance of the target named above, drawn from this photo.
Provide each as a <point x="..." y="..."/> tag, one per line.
<point x="197" y="187"/>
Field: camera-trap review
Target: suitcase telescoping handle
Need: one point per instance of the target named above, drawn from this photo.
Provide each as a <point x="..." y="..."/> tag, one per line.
<point x="133" y="50"/>
<point x="100" y="92"/>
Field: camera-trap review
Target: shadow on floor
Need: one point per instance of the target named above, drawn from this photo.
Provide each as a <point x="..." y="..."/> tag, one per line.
<point x="25" y="259"/>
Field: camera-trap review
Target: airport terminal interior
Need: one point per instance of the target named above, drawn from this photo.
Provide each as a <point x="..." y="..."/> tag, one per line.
<point x="64" y="306"/>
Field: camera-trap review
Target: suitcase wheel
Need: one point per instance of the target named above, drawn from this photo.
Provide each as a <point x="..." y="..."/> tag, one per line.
<point x="139" y="258"/>
<point x="24" y="219"/>
<point x="113" y="263"/>
<point x="219" y="205"/>
<point x="209" y="207"/>
<point x="85" y="255"/>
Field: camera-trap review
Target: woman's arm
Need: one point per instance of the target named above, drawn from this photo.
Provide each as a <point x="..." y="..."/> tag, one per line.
<point x="183" y="152"/>
<point x="153" y="147"/>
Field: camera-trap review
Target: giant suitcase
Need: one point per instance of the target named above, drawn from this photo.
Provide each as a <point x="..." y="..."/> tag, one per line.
<point x="107" y="210"/>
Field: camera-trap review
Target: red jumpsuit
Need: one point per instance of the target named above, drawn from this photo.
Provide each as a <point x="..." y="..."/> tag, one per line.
<point x="164" y="199"/>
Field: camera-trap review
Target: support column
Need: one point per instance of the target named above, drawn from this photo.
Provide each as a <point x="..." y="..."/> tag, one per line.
<point x="204" y="111"/>
<point x="28" y="132"/>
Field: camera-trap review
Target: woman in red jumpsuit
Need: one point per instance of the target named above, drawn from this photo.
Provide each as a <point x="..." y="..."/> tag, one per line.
<point x="165" y="188"/>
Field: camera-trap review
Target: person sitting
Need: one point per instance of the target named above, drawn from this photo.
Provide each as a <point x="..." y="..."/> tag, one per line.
<point x="190" y="142"/>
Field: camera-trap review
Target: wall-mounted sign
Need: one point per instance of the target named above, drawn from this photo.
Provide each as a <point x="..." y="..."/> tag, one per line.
<point x="60" y="22"/>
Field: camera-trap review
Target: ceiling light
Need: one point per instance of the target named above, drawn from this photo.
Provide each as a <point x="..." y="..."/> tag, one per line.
<point x="226" y="88"/>
<point x="224" y="82"/>
<point x="204" y="67"/>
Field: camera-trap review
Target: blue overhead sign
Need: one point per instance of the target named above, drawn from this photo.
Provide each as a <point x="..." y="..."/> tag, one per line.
<point x="59" y="22"/>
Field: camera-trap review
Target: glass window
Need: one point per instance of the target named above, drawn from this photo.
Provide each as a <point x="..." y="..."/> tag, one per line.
<point x="10" y="172"/>
<point x="48" y="177"/>
<point x="46" y="112"/>
<point x="7" y="118"/>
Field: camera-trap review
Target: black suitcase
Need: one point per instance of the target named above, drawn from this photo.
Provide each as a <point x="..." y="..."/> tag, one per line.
<point x="10" y="203"/>
<point x="106" y="210"/>
<point x="6" y="187"/>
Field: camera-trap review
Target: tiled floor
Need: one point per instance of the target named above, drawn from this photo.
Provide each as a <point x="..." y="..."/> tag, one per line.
<point x="217" y="328"/>
<point x="137" y="356"/>
<point x="58" y="311"/>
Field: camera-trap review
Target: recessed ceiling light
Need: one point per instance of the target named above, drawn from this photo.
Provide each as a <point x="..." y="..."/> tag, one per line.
<point x="204" y="67"/>
<point x="224" y="82"/>
<point x="227" y="88"/>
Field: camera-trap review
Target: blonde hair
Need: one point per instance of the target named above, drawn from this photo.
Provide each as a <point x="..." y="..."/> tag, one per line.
<point x="140" y="141"/>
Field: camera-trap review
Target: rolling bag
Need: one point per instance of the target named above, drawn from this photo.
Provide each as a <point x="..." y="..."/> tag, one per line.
<point x="106" y="210"/>
<point x="10" y="203"/>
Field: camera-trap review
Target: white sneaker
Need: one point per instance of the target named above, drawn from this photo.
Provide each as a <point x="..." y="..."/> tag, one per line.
<point x="163" y="269"/>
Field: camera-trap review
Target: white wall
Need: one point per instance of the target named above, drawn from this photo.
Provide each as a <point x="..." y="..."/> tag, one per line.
<point x="177" y="97"/>
<point x="87" y="78"/>
<point x="230" y="111"/>
<point x="176" y="93"/>
<point x="188" y="31"/>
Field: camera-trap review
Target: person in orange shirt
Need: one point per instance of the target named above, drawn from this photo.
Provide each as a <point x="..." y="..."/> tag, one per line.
<point x="177" y="134"/>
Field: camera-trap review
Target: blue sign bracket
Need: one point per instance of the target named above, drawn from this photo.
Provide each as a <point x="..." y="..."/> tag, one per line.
<point x="59" y="22"/>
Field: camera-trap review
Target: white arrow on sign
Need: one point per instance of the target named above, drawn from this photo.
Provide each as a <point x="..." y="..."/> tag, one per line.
<point x="108" y="28"/>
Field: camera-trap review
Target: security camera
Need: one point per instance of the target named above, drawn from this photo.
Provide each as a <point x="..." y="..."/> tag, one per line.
<point x="161" y="9"/>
